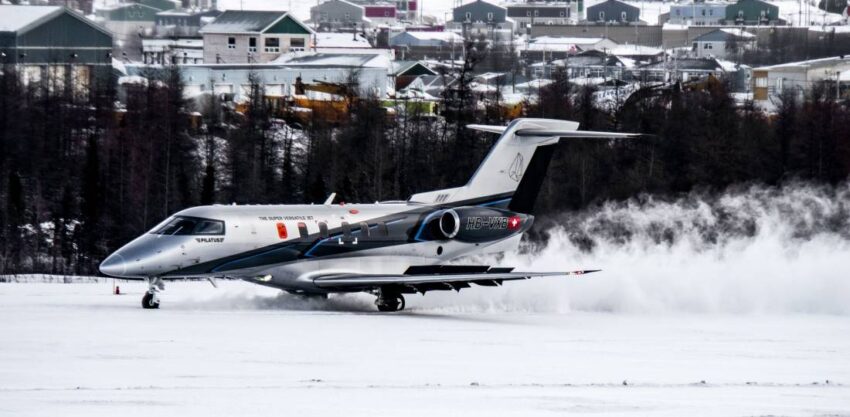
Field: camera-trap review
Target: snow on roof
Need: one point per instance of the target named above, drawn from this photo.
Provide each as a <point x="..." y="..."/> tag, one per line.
<point x="558" y="40"/>
<point x="630" y="50"/>
<point x="440" y="36"/>
<point x="341" y="40"/>
<point x="335" y="60"/>
<point x="738" y="33"/>
<point x="239" y="21"/>
<point x="837" y="29"/>
<point x="534" y="84"/>
<point x="15" y="18"/>
<point x="812" y="63"/>
<point x="727" y="66"/>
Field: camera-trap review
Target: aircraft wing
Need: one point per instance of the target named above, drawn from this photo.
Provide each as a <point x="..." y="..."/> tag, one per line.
<point x="432" y="278"/>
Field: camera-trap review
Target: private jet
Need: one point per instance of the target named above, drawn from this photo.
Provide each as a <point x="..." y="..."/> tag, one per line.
<point x="387" y="249"/>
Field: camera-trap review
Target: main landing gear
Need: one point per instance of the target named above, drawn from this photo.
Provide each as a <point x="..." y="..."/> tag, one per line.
<point x="389" y="301"/>
<point x="150" y="299"/>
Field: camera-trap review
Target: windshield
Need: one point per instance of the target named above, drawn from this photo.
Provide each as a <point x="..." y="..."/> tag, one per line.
<point x="181" y="226"/>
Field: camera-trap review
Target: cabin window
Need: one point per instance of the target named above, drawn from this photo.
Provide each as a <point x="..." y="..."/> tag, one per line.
<point x="231" y="43"/>
<point x="184" y="226"/>
<point x="323" y="230"/>
<point x="302" y="230"/>
<point x="252" y="44"/>
<point x="272" y="45"/>
<point x="364" y="229"/>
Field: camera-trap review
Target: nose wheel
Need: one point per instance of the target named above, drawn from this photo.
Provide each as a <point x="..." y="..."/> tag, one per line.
<point x="389" y="302"/>
<point x="151" y="299"/>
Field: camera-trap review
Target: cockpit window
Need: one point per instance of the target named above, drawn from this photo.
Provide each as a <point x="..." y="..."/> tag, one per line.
<point x="182" y="226"/>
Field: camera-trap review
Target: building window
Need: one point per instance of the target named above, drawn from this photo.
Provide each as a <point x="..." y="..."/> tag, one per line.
<point x="252" y="44"/>
<point x="601" y="16"/>
<point x="386" y="13"/>
<point x="231" y="43"/>
<point x="468" y="16"/>
<point x="528" y="13"/>
<point x="272" y="45"/>
<point x="490" y="16"/>
<point x="562" y="14"/>
<point x="296" y="43"/>
<point x="623" y="16"/>
<point x="761" y="82"/>
<point x="536" y="13"/>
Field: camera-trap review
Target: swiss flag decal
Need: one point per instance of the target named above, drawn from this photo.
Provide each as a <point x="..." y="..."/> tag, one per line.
<point x="514" y="223"/>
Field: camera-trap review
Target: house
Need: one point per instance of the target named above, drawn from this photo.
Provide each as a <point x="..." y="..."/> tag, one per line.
<point x="180" y="23"/>
<point x="684" y="69"/>
<point x="752" y="12"/>
<point x="344" y="43"/>
<point x="405" y="72"/>
<point x="723" y="42"/>
<point x="547" y="48"/>
<point x="423" y="45"/>
<point x="253" y="36"/>
<point x="54" y="43"/>
<point x="799" y="77"/>
<point x="402" y="10"/>
<point x="698" y="13"/>
<point x="334" y="15"/>
<point x="480" y="17"/>
<point x="613" y="11"/>
<point x="543" y="13"/>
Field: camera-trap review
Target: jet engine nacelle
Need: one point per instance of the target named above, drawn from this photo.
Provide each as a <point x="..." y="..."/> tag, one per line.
<point x="475" y="224"/>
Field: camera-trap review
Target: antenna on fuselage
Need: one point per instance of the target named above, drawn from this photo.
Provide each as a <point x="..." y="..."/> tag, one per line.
<point x="330" y="199"/>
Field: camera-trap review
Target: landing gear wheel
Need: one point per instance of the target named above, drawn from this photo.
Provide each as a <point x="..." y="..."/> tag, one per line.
<point x="150" y="300"/>
<point x="393" y="302"/>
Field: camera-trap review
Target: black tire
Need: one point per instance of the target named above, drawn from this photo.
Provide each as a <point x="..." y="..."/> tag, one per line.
<point x="391" y="303"/>
<point x="148" y="301"/>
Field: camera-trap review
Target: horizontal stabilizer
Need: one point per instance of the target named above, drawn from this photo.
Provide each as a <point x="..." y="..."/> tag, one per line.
<point x="488" y="128"/>
<point x="576" y="134"/>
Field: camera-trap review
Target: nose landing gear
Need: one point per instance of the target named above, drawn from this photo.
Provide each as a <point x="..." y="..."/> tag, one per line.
<point x="150" y="299"/>
<point x="389" y="301"/>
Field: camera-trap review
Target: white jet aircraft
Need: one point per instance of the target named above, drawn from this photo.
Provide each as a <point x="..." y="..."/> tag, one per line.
<point x="387" y="249"/>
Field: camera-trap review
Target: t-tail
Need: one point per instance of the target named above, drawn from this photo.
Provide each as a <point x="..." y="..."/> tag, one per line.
<point x="512" y="173"/>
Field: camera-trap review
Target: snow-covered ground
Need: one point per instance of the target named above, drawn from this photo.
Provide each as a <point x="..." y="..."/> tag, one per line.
<point x="75" y="349"/>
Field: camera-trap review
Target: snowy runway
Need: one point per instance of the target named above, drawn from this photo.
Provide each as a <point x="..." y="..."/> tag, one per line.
<point x="245" y="350"/>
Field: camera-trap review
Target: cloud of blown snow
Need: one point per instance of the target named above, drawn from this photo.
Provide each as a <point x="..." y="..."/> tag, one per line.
<point x="749" y="250"/>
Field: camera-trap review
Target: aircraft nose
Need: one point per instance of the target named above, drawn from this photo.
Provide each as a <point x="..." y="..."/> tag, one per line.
<point x="114" y="265"/>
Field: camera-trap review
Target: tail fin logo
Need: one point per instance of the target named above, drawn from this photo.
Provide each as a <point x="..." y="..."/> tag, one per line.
<point x="515" y="171"/>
